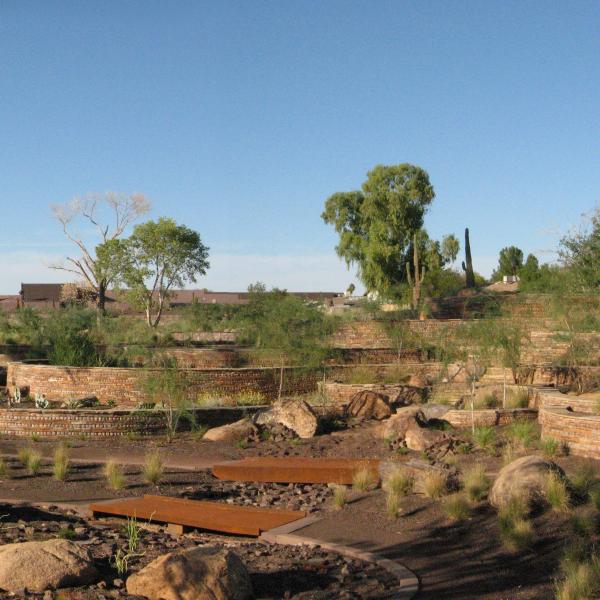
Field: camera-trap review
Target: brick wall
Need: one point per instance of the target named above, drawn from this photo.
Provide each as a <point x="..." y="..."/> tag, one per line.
<point x="102" y="423"/>
<point x="342" y="393"/>
<point x="489" y="417"/>
<point x="580" y="431"/>
<point x="126" y="386"/>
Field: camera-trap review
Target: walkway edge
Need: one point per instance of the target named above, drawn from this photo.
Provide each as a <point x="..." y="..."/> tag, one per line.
<point x="409" y="582"/>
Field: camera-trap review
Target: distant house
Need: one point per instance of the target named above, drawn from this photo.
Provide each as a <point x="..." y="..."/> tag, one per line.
<point x="40" y="295"/>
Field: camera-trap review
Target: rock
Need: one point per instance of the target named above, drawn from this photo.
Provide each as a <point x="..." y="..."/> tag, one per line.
<point x="525" y="478"/>
<point x="39" y="566"/>
<point x="369" y="405"/>
<point x="397" y="425"/>
<point x="202" y="573"/>
<point x="296" y="415"/>
<point x="233" y="432"/>
<point x="422" y="438"/>
<point x="434" y="411"/>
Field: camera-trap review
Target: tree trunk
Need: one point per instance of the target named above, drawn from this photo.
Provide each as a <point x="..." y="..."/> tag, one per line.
<point x="101" y="302"/>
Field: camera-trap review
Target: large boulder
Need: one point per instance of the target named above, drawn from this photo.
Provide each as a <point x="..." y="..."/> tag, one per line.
<point x="202" y="573"/>
<point x="397" y="425"/>
<point x="524" y="478"/>
<point x="296" y="415"/>
<point x="367" y="404"/>
<point x="233" y="432"/>
<point x="423" y="438"/>
<point x="47" y="565"/>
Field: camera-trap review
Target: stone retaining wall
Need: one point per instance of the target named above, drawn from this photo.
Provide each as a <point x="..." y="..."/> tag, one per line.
<point x="126" y="387"/>
<point x="489" y="417"/>
<point x="551" y="398"/>
<point x="342" y="393"/>
<point x="580" y="431"/>
<point x="50" y="423"/>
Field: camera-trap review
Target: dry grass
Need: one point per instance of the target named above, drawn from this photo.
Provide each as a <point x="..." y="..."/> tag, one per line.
<point x="364" y="479"/>
<point x="522" y="432"/>
<point x="556" y="493"/>
<point x="476" y="483"/>
<point x="484" y="437"/>
<point x="549" y="447"/>
<point x="457" y="507"/>
<point x="4" y="471"/>
<point x="434" y="485"/>
<point x="24" y="454"/>
<point x="399" y="483"/>
<point x="153" y="470"/>
<point x="584" y="482"/>
<point x="34" y="462"/>
<point x="509" y="453"/>
<point x="581" y="580"/>
<point x="60" y="464"/>
<point x="113" y="472"/>
<point x="516" y="531"/>
<point x="340" y="496"/>
<point x="392" y="504"/>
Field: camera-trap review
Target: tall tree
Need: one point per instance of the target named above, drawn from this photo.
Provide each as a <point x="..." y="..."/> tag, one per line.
<point x="450" y="248"/>
<point x="158" y="256"/>
<point x="510" y="262"/>
<point x="377" y="223"/>
<point x="109" y="214"/>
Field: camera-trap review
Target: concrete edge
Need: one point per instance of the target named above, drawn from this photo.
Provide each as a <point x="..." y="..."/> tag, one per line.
<point x="409" y="582"/>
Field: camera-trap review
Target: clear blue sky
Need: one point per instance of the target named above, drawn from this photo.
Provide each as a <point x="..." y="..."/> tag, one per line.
<point x="240" y="118"/>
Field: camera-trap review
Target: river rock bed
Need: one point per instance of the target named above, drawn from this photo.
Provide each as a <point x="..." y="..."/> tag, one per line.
<point x="289" y="496"/>
<point x="277" y="572"/>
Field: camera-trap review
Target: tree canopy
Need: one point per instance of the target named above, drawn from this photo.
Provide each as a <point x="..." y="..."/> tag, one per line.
<point x="376" y="224"/>
<point x="510" y="262"/>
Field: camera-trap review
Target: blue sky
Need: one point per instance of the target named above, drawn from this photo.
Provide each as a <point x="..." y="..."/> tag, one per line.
<point x="240" y="118"/>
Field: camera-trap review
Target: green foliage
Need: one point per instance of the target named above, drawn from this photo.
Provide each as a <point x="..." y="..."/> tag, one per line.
<point x="515" y="530"/>
<point x="250" y="398"/>
<point x="584" y="481"/>
<point x="153" y="470"/>
<point x="200" y="316"/>
<point x="340" y="496"/>
<point x="113" y="473"/>
<point x="399" y="483"/>
<point x="60" y="465"/>
<point x="522" y="431"/>
<point x="556" y="493"/>
<point x="66" y="533"/>
<point x="376" y="224"/>
<point x="484" y="437"/>
<point x="440" y="283"/>
<point x="510" y="262"/>
<point x="434" y="484"/>
<point x="549" y="447"/>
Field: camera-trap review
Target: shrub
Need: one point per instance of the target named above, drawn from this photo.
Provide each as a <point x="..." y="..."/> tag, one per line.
<point x="484" y="437"/>
<point x="476" y="483"/>
<point x="516" y="508"/>
<point x="392" y="504"/>
<point x="522" y="431"/>
<point x="584" y="523"/>
<point x="556" y="493"/>
<point x="207" y="400"/>
<point x="340" y="496"/>
<point x="400" y="483"/>
<point x="434" y="484"/>
<point x="60" y="466"/>
<point x="153" y="468"/>
<point x="114" y="475"/>
<point x="549" y="447"/>
<point x="517" y="399"/>
<point x="363" y="479"/>
<point x="488" y="401"/>
<point x="24" y="455"/>
<point x="518" y="536"/>
<point x="250" y="398"/>
<point x="66" y="533"/>
<point x="456" y="507"/>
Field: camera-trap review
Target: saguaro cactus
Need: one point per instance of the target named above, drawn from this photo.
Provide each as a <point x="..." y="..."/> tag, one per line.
<point x="419" y="275"/>
<point x="468" y="267"/>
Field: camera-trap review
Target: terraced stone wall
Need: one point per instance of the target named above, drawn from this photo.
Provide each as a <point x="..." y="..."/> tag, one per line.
<point x="579" y="431"/>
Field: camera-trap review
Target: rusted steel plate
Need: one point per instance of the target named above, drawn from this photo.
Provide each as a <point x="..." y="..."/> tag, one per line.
<point x="294" y="469"/>
<point x="212" y="516"/>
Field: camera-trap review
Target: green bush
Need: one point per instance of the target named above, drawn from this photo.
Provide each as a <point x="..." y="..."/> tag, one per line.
<point x="484" y="437"/>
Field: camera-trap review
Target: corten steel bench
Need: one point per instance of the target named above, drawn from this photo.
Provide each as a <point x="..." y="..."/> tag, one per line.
<point x="181" y="514"/>
<point x="295" y="469"/>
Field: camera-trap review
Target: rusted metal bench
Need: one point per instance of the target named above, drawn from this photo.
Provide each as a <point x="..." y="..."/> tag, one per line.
<point x="294" y="469"/>
<point x="181" y="514"/>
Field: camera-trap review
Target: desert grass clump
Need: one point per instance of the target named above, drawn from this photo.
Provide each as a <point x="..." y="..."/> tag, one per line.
<point x="585" y="523"/>
<point x="475" y="483"/>
<point x="516" y="531"/>
<point x="434" y="485"/>
<point x="549" y="447"/>
<point x="113" y="472"/>
<point x="24" y="454"/>
<point x="509" y="453"/>
<point x="457" y="507"/>
<point x="556" y="493"/>
<point x="4" y="472"/>
<point x="584" y="482"/>
<point x="399" y="483"/>
<point x="34" y="462"/>
<point x="581" y="579"/>
<point x="340" y="496"/>
<point x="153" y="470"/>
<point x="522" y="431"/>
<point x="60" y="464"/>
<point x="484" y="437"/>
<point x="364" y="479"/>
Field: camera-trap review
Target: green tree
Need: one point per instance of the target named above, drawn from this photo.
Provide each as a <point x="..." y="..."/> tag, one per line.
<point x="292" y="327"/>
<point x="450" y="248"/>
<point x="159" y="256"/>
<point x="376" y="224"/>
<point x="510" y="262"/>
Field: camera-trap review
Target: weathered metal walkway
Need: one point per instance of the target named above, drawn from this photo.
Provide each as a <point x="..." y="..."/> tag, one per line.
<point x="180" y="513"/>
<point x="294" y="469"/>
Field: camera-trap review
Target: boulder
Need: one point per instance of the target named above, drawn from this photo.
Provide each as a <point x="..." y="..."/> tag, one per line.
<point x="525" y="478"/>
<point x="422" y="438"/>
<point x="233" y="432"/>
<point x="397" y="425"/>
<point x="39" y="566"/>
<point x="296" y="415"/>
<point x="202" y="573"/>
<point x="369" y="405"/>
